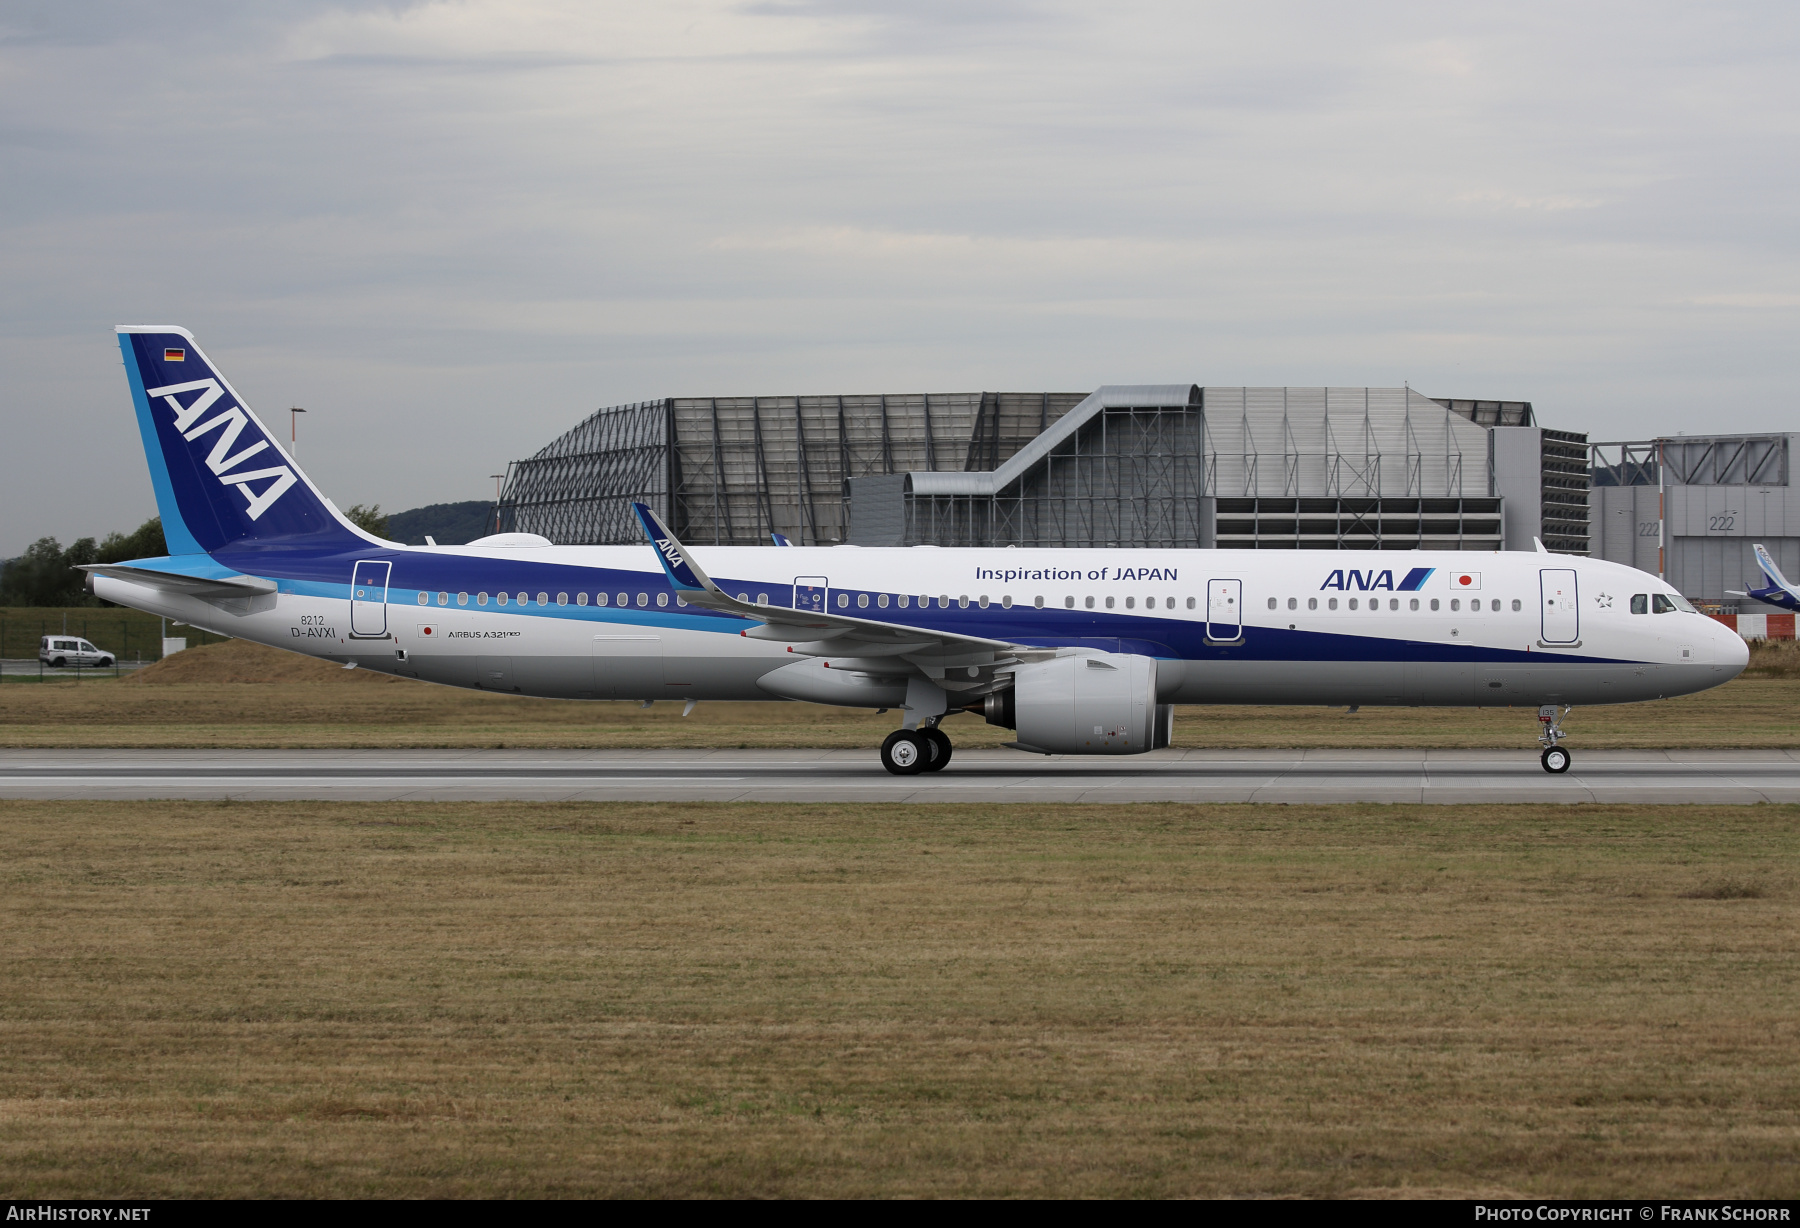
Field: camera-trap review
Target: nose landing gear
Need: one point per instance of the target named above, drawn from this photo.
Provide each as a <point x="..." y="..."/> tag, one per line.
<point x="1555" y="759"/>
<point x="907" y="752"/>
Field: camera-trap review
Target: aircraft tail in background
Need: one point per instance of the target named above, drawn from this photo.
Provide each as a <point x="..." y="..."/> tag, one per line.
<point x="1777" y="592"/>
<point x="222" y="480"/>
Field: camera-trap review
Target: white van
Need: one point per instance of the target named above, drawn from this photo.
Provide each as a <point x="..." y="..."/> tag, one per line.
<point x="61" y="650"/>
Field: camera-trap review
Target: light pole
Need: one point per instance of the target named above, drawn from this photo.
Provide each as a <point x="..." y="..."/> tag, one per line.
<point x="294" y="430"/>
<point x="498" y="478"/>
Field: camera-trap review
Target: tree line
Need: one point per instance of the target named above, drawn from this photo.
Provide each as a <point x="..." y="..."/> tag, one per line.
<point x="47" y="574"/>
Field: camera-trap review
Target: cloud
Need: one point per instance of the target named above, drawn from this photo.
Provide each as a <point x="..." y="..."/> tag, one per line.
<point x="454" y="227"/>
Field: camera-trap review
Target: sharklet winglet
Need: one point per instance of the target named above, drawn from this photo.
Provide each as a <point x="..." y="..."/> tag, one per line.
<point x="684" y="573"/>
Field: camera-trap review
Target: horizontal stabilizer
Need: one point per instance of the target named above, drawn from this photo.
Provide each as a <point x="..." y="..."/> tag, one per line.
<point x="188" y="585"/>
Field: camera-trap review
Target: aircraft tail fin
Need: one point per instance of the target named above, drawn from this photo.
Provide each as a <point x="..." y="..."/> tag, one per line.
<point x="1769" y="569"/>
<point x="222" y="478"/>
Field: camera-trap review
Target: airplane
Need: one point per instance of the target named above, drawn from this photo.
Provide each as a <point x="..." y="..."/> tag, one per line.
<point x="1778" y="592"/>
<point x="1078" y="651"/>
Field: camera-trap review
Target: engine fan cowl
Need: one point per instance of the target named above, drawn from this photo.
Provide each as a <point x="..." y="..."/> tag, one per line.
<point x="1101" y="703"/>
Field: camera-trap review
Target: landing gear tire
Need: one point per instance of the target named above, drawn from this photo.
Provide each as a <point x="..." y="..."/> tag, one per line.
<point x="905" y="753"/>
<point x="1555" y="760"/>
<point x="939" y="742"/>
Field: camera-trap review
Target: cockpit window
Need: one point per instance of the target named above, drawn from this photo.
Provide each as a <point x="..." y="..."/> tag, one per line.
<point x="1683" y="604"/>
<point x="1661" y="603"/>
<point x="1640" y="603"/>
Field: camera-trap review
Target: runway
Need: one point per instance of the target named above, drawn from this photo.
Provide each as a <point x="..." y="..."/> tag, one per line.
<point x="855" y="776"/>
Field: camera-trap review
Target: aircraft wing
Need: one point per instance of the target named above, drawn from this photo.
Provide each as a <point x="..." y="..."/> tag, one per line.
<point x="810" y="632"/>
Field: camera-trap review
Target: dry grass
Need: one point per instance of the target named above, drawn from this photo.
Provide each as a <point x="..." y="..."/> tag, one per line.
<point x="243" y="695"/>
<point x="317" y="999"/>
<point x="1774" y="659"/>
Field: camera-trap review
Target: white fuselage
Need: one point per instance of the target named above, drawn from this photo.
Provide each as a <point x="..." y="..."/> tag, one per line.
<point x="1340" y="627"/>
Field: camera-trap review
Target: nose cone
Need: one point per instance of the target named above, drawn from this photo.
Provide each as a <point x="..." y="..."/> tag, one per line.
<point x="1729" y="651"/>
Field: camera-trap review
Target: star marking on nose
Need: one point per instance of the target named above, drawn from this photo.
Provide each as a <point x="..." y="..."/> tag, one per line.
<point x="1603" y="600"/>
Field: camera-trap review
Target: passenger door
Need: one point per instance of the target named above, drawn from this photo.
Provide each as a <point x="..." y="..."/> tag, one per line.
<point x="1560" y="605"/>
<point x="1224" y="610"/>
<point x="809" y="593"/>
<point x="368" y="598"/>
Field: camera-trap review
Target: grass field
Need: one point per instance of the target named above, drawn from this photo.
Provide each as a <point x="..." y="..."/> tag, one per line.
<point x="209" y="698"/>
<point x="319" y="999"/>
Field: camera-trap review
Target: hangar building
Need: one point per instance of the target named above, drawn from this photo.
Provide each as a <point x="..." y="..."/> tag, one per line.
<point x="1126" y="465"/>
<point x="1689" y="509"/>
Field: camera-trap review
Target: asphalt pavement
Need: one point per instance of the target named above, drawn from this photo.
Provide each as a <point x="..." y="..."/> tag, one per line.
<point x="995" y="776"/>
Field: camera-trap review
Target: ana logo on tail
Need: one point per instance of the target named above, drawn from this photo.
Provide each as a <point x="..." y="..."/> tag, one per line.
<point x="230" y="423"/>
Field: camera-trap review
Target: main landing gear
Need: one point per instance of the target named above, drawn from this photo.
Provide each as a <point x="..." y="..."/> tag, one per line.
<point x="1555" y="759"/>
<point x="907" y="752"/>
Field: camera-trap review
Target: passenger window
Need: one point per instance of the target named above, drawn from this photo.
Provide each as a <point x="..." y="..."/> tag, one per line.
<point x="1413" y="604"/>
<point x="1517" y="605"/>
<point x="1393" y="603"/>
<point x="1293" y="603"/>
<point x="1312" y="603"/>
<point x="1109" y="603"/>
<point x="580" y="598"/>
<point x="1271" y="603"/>
<point x="745" y="597"/>
<point x="1006" y="602"/>
<point x="1353" y="603"/>
<point x="424" y="598"/>
<point x="1434" y="605"/>
<point x="600" y="598"/>
<point x="480" y="598"/>
<point x="1455" y="603"/>
<point x="1130" y="602"/>
<point x="1640" y="603"/>
<point x="982" y="601"/>
<point x="462" y="599"/>
<point x="1190" y="603"/>
<point x="761" y="599"/>
<point x="905" y="599"/>
<point x="1661" y="604"/>
<point x="624" y="599"/>
<point x="543" y="598"/>
<point x="644" y="600"/>
<point x="443" y="598"/>
<point x="1090" y="603"/>
<point x="881" y="600"/>
<point x="522" y="599"/>
<point x="843" y="600"/>
<point x="562" y="599"/>
<point x="662" y="599"/>
<point x="943" y="601"/>
<point x="862" y="601"/>
<point x="500" y="598"/>
<point x="1037" y="602"/>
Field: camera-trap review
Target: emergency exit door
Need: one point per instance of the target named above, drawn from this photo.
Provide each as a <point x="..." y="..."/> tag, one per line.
<point x="368" y="598"/>
<point x="1224" y="610"/>
<point x="809" y="593"/>
<point x="1560" y="605"/>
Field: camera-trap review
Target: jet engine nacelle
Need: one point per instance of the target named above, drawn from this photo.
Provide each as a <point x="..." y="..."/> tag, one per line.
<point x="1101" y="703"/>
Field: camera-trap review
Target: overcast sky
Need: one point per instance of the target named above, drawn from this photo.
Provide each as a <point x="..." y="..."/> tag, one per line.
<point x="450" y="230"/>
